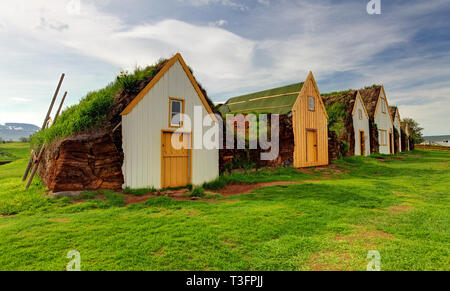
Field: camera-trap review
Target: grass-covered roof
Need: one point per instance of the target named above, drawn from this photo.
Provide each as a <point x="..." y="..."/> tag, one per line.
<point x="392" y="111"/>
<point x="339" y="106"/>
<point x="370" y="97"/>
<point x="277" y="101"/>
<point x="102" y="108"/>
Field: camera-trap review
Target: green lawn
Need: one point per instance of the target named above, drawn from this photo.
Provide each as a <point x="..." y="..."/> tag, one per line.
<point x="399" y="207"/>
<point x="13" y="151"/>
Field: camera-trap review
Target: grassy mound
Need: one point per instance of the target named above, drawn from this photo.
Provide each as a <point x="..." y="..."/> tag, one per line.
<point x="93" y="109"/>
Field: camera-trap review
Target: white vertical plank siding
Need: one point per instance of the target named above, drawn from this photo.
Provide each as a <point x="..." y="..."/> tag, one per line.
<point x="358" y="125"/>
<point x="141" y="131"/>
<point x="383" y="122"/>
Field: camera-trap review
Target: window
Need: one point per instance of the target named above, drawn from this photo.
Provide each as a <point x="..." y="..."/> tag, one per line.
<point x="176" y="108"/>
<point x="382" y="136"/>
<point x="311" y="105"/>
<point x="383" y="106"/>
<point x="360" y="114"/>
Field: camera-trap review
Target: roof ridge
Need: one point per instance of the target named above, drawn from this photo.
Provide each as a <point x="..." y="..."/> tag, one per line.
<point x="265" y="90"/>
<point x="277" y="100"/>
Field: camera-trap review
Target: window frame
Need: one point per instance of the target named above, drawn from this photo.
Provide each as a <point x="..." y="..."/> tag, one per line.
<point x="180" y="100"/>
<point x="360" y="114"/>
<point x="383" y="105"/>
<point x="382" y="137"/>
<point x="314" y="103"/>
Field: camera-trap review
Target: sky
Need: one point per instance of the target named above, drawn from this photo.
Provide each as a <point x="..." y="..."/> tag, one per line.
<point x="233" y="46"/>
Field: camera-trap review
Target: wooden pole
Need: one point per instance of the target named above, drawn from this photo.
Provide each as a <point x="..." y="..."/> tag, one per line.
<point x="35" y="167"/>
<point x="60" y="107"/>
<point x="53" y="101"/>
<point x="28" y="166"/>
<point x="45" y="122"/>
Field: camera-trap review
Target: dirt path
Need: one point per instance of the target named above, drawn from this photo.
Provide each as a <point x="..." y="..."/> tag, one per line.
<point x="326" y="172"/>
<point x="236" y="189"/>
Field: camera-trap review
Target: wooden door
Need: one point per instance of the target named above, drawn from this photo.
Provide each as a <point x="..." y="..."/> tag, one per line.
<point x="176" y="162"/>
<point x="311" y="146"/>
<point x="391" y="143"/>
<point x="362" y="143"/>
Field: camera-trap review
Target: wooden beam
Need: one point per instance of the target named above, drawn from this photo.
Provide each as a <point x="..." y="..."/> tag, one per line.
<point x="53" y="101"/>
<point x="35" y="167"/>
<point x="117" y="126"/>
<point x="60" y="107"/>
<point x="262" y="108"/>
<point x="265" y="97"/>
<point x="45" y="122"/>
<point x="30" y="162"/>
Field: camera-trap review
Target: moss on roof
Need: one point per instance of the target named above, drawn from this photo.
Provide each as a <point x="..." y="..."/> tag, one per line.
<point x="392" y="111"/>
<point x="370" y="97"/>
<point x="277" y="101"/>
<point x="339" y="106"/>
<point x="346" y="98"/>
<point x="102" y="108"/>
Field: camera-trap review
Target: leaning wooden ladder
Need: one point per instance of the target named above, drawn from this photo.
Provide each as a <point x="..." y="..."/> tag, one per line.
<point x="36" y="157"/>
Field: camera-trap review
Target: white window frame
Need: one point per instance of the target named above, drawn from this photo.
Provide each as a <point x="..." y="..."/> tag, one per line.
<point x="171" y="113"/>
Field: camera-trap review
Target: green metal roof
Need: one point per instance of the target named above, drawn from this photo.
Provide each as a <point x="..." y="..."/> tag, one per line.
<point x="277" y="101"/>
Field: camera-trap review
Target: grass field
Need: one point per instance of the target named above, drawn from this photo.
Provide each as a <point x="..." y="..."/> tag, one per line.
<point x="328" y="221"/>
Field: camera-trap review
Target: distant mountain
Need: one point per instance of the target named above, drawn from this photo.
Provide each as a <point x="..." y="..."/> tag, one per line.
<point x="15" y="131"/>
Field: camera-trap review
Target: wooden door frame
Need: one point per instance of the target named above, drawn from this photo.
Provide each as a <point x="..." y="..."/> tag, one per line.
<point x="361" y="143"/>
<point x="189" y="154"/>
<point x="391" y="143"/>
<point x="317" y="146"/>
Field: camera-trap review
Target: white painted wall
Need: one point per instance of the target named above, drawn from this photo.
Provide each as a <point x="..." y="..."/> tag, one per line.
<point x="363" y="125"/>
<point x="141" y="131"/>
<point x="397" y="125"/>
<point x="383" y="122"/>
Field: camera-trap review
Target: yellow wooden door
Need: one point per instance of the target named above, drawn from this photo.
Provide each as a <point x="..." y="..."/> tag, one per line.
<point x="175" y="161"/>
<point x="311" y="146"/>
<point x="362" y="143"/>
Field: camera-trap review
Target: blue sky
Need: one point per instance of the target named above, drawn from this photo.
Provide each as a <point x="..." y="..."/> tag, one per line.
<point x="233" y="46"/>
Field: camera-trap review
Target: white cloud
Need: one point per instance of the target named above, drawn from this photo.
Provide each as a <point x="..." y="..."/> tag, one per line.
<point x="433" y="116"/>
<point x="214" y="53"/>
<point x="220" y="22"/>
<point x="319" y="36"/>
<point x="227" y="3"/>
<point x="264" y="2"/>
<point x="20" y="99"/>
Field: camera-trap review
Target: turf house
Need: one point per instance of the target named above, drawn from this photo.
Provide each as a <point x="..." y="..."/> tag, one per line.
<point x="395" y="115"/>
<point x="382" y="129"/>
<point x="100" y="142"/>
<point x="303" y="122"/>
<point x="149" y="123"/>
<point x="349" y="120"/>
<point x="406" y="137"/>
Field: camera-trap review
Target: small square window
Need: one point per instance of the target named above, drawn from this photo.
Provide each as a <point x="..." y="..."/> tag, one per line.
<point x="311" y="104"/>
<point x="176" y="109"/>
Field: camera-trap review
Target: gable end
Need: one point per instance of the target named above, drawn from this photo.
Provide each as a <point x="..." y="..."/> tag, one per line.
<point x="158" y="76"/>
